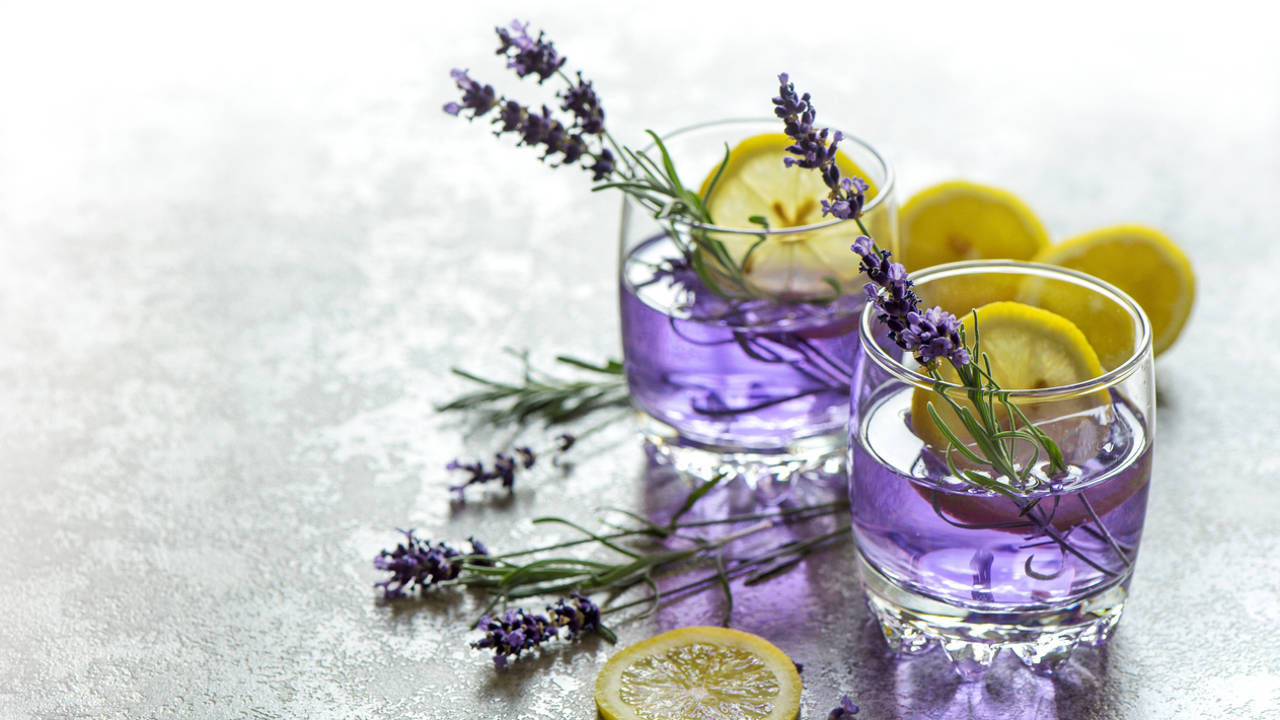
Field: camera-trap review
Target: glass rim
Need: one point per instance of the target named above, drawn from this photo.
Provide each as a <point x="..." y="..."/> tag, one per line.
<point x="1109" y="378"/>
<point x="883" y="192"/>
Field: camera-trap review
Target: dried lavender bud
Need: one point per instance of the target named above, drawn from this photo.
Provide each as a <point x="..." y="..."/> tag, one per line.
<point x="505" y="467"/>
<point x="526" y="456"/>
<point x="480" y="553"/>
<point x="603" y="165"/>
<point x="581" y="100"/>
<point x="477" y="98"/>
<point x="846" y="709"/>
<point x="576" y="614"/>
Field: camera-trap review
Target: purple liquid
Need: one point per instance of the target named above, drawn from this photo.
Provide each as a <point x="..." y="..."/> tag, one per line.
<point x="735" y="375"/>
<point x="940" y="538"/>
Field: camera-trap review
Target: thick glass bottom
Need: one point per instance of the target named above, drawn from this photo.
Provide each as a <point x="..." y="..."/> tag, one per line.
<point x="823" y="455"/>
<point x="1042" y="637"/>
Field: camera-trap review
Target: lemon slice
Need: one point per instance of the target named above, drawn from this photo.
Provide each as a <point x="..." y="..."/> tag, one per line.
<point x="1028" y="348"/>
<point x="707" y="673"/>
<point x="755" y="182"/>
<point x="1139" y="260"/>
<point x="959" y="220"/>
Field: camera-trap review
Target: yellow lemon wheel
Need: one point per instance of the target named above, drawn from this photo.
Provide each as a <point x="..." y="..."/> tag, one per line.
<point x="707" y="673"/>
<point x="755" y="182"/>
<point x="958" y="220"/>
<point x="1029" y="348"/>
<point x="1139" y="260"/>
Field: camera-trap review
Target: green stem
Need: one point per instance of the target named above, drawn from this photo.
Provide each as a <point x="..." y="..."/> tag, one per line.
<point x="807" y="512"/>
<point x="732" y="573"/>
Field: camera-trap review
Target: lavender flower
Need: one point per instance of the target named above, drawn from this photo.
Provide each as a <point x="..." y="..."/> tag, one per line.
<point x="526" y="456"/>
<point x="477" y="98"/>
<point x="797" y="112"/>
<point x="935" y="334"/>
<point x="564" y="441"/>
<point x="415" y="563"/>
<point x="528" y="56"/>
<point x="846" y="709"/>
<point x="810" y="144"/>
<point x="566" y="141"/>
<point x="848" y="202"/>
<point x="514" y="633"/>
<point x="505" y="467"/>
<point x="848" y="195"/>
<point x="510" y="117"/>
<point x="931" y="334"/>
<point x="517" y="630"/>
<point x="479" y="553"/>
<point x="603" y="165"/>
<point x="576" y="614"/>
<point x="582" y="101"/>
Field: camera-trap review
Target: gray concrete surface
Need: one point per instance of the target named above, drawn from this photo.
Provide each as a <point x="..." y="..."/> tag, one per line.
<point x="241" y="246"/>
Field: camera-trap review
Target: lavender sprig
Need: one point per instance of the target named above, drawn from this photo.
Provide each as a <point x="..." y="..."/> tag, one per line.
<point x="512" y="634"/>
<point x="507" y="467"/>
<point x="416" y="563"/>
<point x="647" y="555"/>
<point x="930" y="335"/>
<point x="517" y="630"/>
<point x="574" y="139"/>
<point x="847" y="195"/>
<point x="578" y="135"/>
<point x="504" y="468"/>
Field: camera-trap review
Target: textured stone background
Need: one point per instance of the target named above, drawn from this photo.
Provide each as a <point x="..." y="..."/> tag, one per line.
<point x="240" y="247"/>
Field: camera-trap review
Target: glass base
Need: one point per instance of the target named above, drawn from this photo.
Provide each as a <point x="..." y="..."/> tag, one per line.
<point x="823" y="455"/>
<point x="1043" y="638"/>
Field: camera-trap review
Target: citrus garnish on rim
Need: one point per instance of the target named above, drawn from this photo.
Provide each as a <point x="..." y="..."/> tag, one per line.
<point x="755" y="184"/>
<point x="707" y="673"/>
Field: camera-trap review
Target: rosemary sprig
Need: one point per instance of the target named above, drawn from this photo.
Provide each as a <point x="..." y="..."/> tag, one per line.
<point x="541" y="395"/>
<point x="656" y="184"/>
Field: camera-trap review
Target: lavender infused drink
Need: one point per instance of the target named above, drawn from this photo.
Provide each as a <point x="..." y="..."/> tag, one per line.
<point x="739" y="337"/>
<point x="1037" y="560"/>
<point x="733" y="374"/>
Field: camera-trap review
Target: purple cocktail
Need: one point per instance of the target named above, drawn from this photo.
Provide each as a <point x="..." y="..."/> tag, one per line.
<point x="1040" y="569"/>
<point x="734" y="375"/>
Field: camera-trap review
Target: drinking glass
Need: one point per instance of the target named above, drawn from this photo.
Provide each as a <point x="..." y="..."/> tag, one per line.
<point x="745" y="378"/>
<point x="1039" y="570"/>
